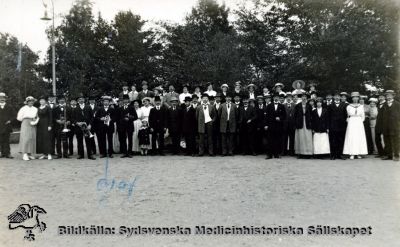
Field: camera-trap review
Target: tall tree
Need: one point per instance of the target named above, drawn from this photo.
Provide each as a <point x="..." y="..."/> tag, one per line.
<point x="136" y="51"/>
<point x="204" y="48"/>
<point x="19" y="70"/>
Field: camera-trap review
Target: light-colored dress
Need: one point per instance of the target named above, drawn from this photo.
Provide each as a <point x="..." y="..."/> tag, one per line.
<point x="27" y="136"/>
<point x="303" y="140"/>
<point x="355" y="142"/>
<point x="137" y="125"/>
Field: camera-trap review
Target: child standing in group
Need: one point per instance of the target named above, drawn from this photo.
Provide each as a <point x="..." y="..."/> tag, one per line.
<point x="144" y="137"/>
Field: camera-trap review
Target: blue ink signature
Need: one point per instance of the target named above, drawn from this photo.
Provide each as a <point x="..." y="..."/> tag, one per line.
<point x="107" y="184"/>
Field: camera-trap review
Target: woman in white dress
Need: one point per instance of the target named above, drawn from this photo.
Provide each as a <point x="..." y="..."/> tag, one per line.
<point x="28" y="116"/>
<point x="355" y="143"/>
<point x="137" y="125"/>
<point x="145" y="109"/>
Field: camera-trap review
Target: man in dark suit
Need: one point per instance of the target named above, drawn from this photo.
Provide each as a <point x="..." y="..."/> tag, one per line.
<point x="261" y="111"/>
<point x="174" y="116"/>
<point x="82" y="121"/>
<point x="391" y="126"/>
<point x="106" y="117"/>
<point x="6" y="117"/>
<point x="237" y="100"/>
<point x="126" y="115"/>
<point x="228" y="114"/>
<point x="276" y="115"/>
<point x="289" y="126"/>
<point x="247" y="125"/>
<point x="72" y="108"/>
<point x="158" y="123"/>
<point x="145" y="92"/>
<point x="93" y="108"/>
<point x="62" y="117"/>
<point x="379" y="126"/>
<point x="337" y="126"/>
<point x="206" y="116"/>
<point x="189" y="125"/>
<point x="216" y="133"/>
<point x="52" y="105"/>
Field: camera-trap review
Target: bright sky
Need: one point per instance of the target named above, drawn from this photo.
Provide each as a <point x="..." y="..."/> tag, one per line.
<point x="21" y="18"/>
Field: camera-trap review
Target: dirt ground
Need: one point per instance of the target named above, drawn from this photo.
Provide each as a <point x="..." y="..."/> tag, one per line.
<point x="211" y="191"/>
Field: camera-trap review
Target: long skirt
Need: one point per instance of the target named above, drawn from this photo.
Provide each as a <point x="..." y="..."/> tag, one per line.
<point x="303" y="141"/>
<point x="373" y="140"/>
<point x="27" y="137"/>
<point x="43" y="145"/>
<point x="355" y="142"/>
<point x="135" y="139"/>
<point x="321" y="143"/>
<point x="116" y="144"/>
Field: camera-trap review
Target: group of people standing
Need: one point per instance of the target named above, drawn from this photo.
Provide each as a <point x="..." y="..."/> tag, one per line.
<point x="233" y="121"/>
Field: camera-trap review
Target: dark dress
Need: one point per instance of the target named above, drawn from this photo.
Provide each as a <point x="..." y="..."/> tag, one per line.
<point x="43" y="140"/>
<point x="144" y="137"/>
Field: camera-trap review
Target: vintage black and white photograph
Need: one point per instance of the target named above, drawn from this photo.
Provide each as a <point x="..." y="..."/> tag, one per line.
<point x="199" y="123"/>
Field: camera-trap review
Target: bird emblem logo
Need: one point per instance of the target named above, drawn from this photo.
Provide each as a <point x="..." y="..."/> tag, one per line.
<point x="27" y="217"/>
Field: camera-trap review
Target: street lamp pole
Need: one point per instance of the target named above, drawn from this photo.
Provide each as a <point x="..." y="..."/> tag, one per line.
<point x="53" y="46"/>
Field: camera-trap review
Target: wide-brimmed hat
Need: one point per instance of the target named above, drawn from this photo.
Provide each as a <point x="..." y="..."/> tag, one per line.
<point x="375" y="100"/>
<point x="252" y="85"/>
<point x="173" y="98"/>
<point x="390" y="92"/>
<point x="238" y="83"/>
<point x="224" y="85"/>
<point x="144" y="83"/>
<point x="3" y="95"/>
<point x="106" y="97"/>
<point x="279" y="84"/>
<point x="188" y="98"/>
<point x="355" y="94"/>
<point x="344" y="94"/>
<point x="260" y="97"/>
<point x="125" y="97"/>
<point x="29" y="98"/>
<point x="146" y="99"/>
<point x="302" y="84"/>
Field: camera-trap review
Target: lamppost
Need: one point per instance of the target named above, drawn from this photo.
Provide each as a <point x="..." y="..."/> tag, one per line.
<point x="53" y="45"/>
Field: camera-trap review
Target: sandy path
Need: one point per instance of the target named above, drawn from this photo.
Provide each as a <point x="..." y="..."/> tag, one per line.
<point x="177" y="190"/>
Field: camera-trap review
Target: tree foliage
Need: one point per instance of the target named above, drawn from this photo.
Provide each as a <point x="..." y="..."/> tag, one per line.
<point x="19" y="81"/>
<point x="339" y="44"/>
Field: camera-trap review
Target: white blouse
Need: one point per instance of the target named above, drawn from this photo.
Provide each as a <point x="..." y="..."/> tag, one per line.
<point x="27" y="112"/>
<point x="356" y="110"/>
<point x="145" y="112"/>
